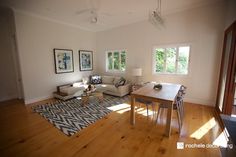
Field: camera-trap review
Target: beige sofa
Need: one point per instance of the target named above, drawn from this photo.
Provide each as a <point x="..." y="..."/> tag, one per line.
<point x="68" y="91"/>
<point x="108" y="86"/>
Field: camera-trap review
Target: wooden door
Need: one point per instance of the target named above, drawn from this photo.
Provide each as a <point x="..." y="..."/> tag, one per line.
<point x="226" y="88"/>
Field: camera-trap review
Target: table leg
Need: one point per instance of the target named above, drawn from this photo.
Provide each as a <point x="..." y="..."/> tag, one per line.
<point x="100" y="98"/>
<point x="85" y="100"/>
<point x="169" y="118"/>
<point x="132" y="111"/>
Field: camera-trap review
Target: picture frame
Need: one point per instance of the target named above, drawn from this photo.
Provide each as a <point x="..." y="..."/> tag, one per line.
<point x="63" y="59"/>
<point x="85" y="60"/>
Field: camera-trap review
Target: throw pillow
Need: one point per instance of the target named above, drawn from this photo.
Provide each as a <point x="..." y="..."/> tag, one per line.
<point x="107" y="79"/>
<point x="121" y="82"/>
<point x="116" y="80"/>
<point x="95" y="79"/>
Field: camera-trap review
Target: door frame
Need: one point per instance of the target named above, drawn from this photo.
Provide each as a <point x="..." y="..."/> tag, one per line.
<point x="230" y="76"/>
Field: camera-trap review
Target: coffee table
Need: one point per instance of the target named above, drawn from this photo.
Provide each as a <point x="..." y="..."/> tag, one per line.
<point x="85" y="97"/>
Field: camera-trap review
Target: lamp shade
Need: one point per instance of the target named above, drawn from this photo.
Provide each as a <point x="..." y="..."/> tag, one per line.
<point x="137" y="72"/>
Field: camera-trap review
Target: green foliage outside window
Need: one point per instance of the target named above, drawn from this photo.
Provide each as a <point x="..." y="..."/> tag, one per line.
<point x="170" y="60"/>
<point x="110" y="61"/>
<point x="123" y="61"/>
<point x="160" y="59"/>
<point x="116" y="60"/>
<point x="183" y="60"/>
<point x="166" y="58"/>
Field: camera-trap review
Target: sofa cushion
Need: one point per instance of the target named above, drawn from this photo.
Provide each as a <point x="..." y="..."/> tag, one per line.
<point x="116" y="80"/>
<point x="95" y="79"/>
<point x="121" y="82"/>
<point x="107" y="79"/>
<point x="106" y="87"/>
<point x="71" y="90"/>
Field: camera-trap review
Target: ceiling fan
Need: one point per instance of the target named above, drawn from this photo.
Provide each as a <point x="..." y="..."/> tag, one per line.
<point x="155" y="16"/>
<point x="93" y="11"/>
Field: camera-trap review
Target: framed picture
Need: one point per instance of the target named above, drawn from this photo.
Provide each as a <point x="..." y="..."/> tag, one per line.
<point x="63" y="61"/>
<point x="86" y="60"/>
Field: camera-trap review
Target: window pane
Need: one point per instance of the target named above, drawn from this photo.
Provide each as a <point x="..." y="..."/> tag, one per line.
<point x="183" y="60"/>
<point x="170" y="60"/>
<point x="160" y="59"/>
<point x="110" y="60"/>
<point x="123" y="61"/>
<point x="116" y="61"/>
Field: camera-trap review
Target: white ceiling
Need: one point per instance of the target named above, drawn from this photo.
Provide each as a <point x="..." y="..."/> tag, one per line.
<point x="111" y="13"/>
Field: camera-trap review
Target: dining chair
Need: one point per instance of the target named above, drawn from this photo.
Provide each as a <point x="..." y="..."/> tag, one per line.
<point x="147" y="103"/>
<point x="178" y="106"/>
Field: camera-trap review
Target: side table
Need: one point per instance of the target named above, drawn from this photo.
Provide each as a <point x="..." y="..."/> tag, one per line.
<point x="85" y="97"/>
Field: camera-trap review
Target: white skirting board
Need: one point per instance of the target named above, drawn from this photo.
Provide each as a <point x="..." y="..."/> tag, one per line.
<point x="34" y="100"/>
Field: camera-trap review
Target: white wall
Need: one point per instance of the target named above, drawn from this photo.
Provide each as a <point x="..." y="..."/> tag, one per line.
<point x="37" y="38"/>
<point x="201" y="27"/>
<point x="8" y="79"/>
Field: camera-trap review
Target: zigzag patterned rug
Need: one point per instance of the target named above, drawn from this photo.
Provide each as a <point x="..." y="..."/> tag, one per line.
<point x="70" y="116"/>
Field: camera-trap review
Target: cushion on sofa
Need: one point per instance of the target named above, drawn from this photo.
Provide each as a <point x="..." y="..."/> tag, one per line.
<point x="121" y="82"/>
<point x="71" y="90"/>
<point x="116" y="80"/>
<point x="95" y="79"/>
<point x="77" y="84"/>
<point x="107" y="79"/>
<point x="106" y="87"/>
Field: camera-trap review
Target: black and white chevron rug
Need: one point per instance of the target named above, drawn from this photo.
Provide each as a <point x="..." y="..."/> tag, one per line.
<point x="70" y="116"/>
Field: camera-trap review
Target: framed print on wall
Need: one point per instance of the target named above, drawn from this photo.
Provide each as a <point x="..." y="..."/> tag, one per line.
<point x="63" y="61"/>
<point x="85" y="60"/>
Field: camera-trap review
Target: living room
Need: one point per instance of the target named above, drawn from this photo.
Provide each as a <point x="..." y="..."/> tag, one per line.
<point x="36" y="29"/>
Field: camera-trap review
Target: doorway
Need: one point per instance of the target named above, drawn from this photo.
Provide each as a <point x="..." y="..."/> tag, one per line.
<point x="234" y="104"/>
<point x="226" y="98"/>
<point x="11" y="85"/>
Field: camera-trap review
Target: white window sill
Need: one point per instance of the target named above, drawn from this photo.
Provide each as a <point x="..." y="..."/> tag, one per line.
<point x="115" y="71"/>
<point x="172" y="74"/>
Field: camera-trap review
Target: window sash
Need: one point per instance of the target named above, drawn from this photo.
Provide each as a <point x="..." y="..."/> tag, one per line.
<point x="113" y="61"/>
<point x="165" y="60"/>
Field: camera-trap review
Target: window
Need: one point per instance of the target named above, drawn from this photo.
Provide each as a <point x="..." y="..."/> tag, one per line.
<point x="171" y="60"/>
<point x="116" y="60"/>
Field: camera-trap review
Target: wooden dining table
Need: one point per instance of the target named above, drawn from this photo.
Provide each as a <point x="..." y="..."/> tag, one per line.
<point x="166" y="95"/>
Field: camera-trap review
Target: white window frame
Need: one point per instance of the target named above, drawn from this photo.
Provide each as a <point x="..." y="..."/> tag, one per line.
<point x="115" y="70"/>
<point x="176" y="62"/>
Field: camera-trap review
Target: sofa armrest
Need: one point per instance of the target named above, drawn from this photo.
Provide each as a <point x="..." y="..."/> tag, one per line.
<point x="124" y="89"/>
<point x="63" y="86"/>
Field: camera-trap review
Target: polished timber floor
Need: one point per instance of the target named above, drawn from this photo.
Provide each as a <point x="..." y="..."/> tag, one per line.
<point x="25" y="133"/>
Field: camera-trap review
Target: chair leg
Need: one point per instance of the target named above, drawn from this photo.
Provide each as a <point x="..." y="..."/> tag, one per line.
<point x="181" y="107"/>
<point x="138" y="106"/>
<point x="147" y="110"/>
<point x="158" y="112"/>
<point x="179" y="117"/>
<point x="153" y="111"/>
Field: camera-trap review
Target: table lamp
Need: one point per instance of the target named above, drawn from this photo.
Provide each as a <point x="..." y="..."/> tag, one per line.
<point x="137" y="72"/>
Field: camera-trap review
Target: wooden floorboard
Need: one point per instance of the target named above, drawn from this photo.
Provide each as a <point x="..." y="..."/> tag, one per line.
<point x="25" y="133"/>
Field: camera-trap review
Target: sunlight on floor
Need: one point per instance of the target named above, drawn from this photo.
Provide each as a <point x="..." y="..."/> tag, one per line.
<point x="198" y="134"/>
<point x="221" y="140"/>
<point x="121" y="108"/>
<point x="143" y="112"/>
